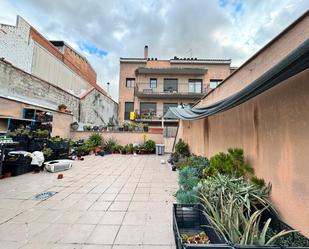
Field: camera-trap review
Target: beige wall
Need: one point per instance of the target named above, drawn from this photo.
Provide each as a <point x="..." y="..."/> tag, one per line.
<point x="61" y="121"/>
<point x="272" y="129"/>
<point x="122" y="138"/>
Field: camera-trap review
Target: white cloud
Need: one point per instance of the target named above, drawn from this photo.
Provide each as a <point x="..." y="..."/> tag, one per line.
<point x="210" y="29"/>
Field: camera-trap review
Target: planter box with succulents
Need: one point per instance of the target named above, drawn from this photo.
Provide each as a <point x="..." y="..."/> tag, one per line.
<point x="193" y="230"/>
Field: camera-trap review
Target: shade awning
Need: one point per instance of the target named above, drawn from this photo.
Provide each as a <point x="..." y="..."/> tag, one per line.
<point x="292" y="64"/>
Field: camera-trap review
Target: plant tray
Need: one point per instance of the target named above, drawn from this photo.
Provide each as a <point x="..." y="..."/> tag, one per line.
<point x="189" y="219"/>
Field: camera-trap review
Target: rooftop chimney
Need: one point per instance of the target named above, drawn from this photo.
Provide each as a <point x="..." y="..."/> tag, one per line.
<point x="146" y="52"/>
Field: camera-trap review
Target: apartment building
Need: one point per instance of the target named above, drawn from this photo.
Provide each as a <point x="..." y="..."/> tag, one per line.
<point x="149" y="86"/>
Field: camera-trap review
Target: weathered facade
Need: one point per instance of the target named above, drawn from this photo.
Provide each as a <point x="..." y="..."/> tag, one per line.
<point x="95" y="108"/>
<point x="272" y="127"/>
<point x="36" y="70"/>
<point x="27" y="49"/>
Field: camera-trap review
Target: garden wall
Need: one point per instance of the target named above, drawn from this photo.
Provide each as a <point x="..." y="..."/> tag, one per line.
<point x="272" y="129"/>
<point x="122" y="138"/>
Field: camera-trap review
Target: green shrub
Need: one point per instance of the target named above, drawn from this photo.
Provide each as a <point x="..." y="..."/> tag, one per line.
<point x="182" y="148"/>
<point x="109" y="144"/>
<point x="257" y="181"/>
<point x="95" y="140"/>
<point x="197" y="162"/>
<point x="84" y="149"/>
<point x="47" y="152"/>
<point x="187" y="197"/>
<point x="232" y="163"/>
<point x="150" y="146"/>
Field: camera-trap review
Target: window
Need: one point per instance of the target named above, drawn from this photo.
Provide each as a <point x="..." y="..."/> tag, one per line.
<point x="170" y="85"/>
<point x="195" y="86"/>
<point x="130" y="82"/>
<point x="153" y="83"/>
<point x="168" y="105"/>
<point x="148" y="109"/>
<point x="214" y="83"/>
<point x="128" y="107"/>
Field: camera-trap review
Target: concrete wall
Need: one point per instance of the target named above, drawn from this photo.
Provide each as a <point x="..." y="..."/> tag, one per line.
<point x="16" y="45"/>
<point x="27" y="49"/>
<point x="14" y="82"/>
<point x="61" y="121"/>
<point x="122" y="138"/>
<point x="95" y="108"/>
<point x="48" y="67"/>
<point x="272" y="128"/>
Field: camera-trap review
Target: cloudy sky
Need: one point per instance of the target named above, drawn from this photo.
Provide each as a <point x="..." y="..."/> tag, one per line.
<point x="105" y="30"/>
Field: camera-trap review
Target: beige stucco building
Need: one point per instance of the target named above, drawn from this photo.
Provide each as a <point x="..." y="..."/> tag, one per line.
<point x="149" y="86"/>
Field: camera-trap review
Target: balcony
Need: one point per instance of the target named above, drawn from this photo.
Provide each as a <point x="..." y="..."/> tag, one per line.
<point x="143" y="90"/>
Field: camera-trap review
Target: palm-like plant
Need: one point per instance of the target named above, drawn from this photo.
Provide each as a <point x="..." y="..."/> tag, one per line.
<point x="233" y="207"/>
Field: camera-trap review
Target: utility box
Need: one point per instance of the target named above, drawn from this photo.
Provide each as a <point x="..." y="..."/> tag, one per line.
<point x="160" y="149"/>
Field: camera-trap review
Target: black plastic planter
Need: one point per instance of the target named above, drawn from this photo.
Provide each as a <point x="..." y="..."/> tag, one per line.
<point x="17" y="164"/>
<point x="189" y="219"/>
<point x="276" y="225"/>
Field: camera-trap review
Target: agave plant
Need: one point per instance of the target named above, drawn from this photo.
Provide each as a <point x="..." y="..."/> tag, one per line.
<point x="241" y="191"/>
<point x="232" y="214"/>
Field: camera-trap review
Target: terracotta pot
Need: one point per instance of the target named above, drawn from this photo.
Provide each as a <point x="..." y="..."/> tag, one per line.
<point x="60" y="176"/>
<point x="62" y="109"/>
<point x="7" y="174"/>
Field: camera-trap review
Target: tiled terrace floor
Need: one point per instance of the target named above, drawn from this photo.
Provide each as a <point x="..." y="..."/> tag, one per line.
<point x="116" y="201"/>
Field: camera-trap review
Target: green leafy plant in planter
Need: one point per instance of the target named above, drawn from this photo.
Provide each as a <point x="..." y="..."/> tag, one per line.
<point x="74" y="126"/>
<point x="230" y="221"/>
<point x="40" y="133"/>
<point x="95" y="141"/>
<point x="87" y="127"/>
<point x="150" y="146"/>
<point x="231" y="163"/>
<point x="198" y="162"/>
<point x="188" y="180"/>
<point x="182" y="148"/>
<point x="84" y="149"/>
<point x="109" y="144"/>
<point x="47" y="152"/>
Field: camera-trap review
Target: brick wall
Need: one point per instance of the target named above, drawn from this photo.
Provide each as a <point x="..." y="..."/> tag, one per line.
<point x="79" y="65"/>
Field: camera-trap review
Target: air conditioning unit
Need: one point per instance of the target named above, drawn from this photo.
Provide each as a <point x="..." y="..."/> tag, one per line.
<point x="58" y="165"/>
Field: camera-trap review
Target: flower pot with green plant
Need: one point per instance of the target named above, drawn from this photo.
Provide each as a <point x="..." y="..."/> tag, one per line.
<point x="62" y="108"/>
<point x="95" y="141"/>
<point x="74" y="126"/>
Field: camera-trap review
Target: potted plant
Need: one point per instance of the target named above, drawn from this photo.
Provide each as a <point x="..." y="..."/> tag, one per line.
<point x="74" y="126"/>
<point x="95" y="141"/>
<point x="87" y="127"/>
<point x="110" y="124"/>
<point x="150" y="146"/>
<point x="145" y="127"/>
<point x="126" y="126"/>
<point x="62" y="108"/>
<point x="121" y="128"/>
<point x="47" y="152"/>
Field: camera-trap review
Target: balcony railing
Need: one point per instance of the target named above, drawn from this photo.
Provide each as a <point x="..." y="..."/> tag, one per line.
<point x="143" y="90"/>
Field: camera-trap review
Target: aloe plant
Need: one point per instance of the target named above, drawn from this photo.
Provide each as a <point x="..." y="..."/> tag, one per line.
<point x="231" y="217"/>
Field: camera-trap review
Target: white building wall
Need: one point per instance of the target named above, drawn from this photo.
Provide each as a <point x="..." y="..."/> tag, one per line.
<point x="50" y="68"/>
<point x="15" y="44"/>
<point x="97" y="109"/>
